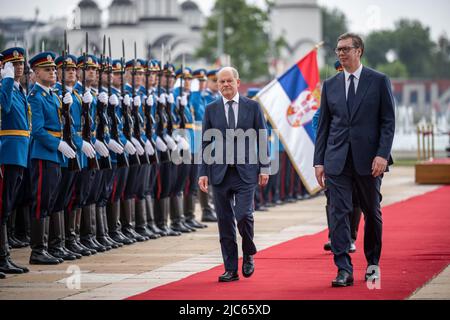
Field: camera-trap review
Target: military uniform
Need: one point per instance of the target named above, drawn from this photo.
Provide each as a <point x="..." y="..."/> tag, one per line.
<point x="14" y="137"/>
<point x="46" y="159"/>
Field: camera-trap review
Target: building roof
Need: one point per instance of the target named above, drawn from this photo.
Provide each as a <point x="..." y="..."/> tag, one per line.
<point x="88" y="4"/>
<point x="121" y="3"/>
<point x="189" y="5"/>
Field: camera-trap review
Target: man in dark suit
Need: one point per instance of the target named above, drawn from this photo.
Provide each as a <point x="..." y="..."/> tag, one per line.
<point x="353" y="146"/>
<point x="234" y="168"/>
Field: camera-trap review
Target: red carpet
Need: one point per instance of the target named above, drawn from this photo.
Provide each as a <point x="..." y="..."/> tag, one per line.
<point x="416" y="247"/>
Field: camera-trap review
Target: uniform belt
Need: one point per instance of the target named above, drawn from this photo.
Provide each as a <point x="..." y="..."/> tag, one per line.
<point x="56" y="134"/>
<point x="20" y="133"/>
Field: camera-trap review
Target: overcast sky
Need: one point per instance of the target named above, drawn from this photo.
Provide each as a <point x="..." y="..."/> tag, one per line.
<point x="363" y="15"/>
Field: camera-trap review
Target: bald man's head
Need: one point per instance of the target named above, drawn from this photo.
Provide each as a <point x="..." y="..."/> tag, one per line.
<point x="228" y="81"/>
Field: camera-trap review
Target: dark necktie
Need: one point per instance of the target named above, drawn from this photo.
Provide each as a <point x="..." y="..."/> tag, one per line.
<point x="231" y="118"/>
<point x="351" y="94"/>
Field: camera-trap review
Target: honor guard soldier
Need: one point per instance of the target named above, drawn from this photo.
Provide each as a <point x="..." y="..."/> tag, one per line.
<point x="47" y="152"/>
<point x="132" y="217"/>
<point x="183" y="123"/>
<point x="211" y="94"/>
<point x="84" y="187"/>
<point x="194" y="112"/>
<point x="154" y="68"/>
<point x="65" y="209"/>
<point x="165" y="176"/>
<point x="14" y="137"/>
<point x="120" y="148"/>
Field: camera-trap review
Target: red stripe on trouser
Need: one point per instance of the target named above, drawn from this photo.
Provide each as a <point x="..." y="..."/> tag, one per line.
<point x="39" y="192"/>
<point x="72" y="200"/>
<point x="158" y="183"/>
<point x="187" y="186"/>
<point x="1" y="193"/>
<point x="291" y="186"/>
<point x="113" y="194"/>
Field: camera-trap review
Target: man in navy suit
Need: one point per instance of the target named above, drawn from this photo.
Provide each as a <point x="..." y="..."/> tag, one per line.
<point x="235" y="170"/>
<point x="353" y="147"/>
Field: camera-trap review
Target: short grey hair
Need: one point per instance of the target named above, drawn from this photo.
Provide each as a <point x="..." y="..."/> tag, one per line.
<point x="233" y="71"/>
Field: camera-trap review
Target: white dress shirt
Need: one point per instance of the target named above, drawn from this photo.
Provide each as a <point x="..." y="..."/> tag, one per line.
<point x="357" y="75"/>
<point x="235" y="107"/>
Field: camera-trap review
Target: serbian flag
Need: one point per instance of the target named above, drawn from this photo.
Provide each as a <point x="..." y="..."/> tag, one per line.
<point x="290" y="102"/>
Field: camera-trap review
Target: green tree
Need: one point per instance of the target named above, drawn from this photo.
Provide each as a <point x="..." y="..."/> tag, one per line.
<point x="377" y="44"/>
<point x="441" y="58"/>
<point x="414" y="46"/>
<point x="246" y="38"/>
<point x="334" y="23"/>
<point x="394" y="69"/>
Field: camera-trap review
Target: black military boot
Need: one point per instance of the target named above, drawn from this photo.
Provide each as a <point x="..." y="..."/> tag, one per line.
<point x="2" y="275"/>
<point x="208" y="214"/>
<point x="127" y="221"/>
<point x="141" y="220"/>
<point x="56" y="240"/>
<point x="79" y="213"/>
<point x="113" y="243"/>
<point x="164" y="207"/>
<point x="114" y="225"/>
<point x="39" y="241"/>
<point x="23" y="233"/>
<point x="189" y="212"/>
<point x="6" y="264"/>
<point x="11" y="229"/>
<point x="86" y="234"/>
<point x="150" y="216"/>
<point x="71" y="237"/>
<point x="94" y="221"/>
<point x="176" y="215"/>
<point x="101" y="230"/>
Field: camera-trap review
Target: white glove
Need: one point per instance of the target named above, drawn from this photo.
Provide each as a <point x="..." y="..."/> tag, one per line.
<point x="150" y="101"/>
<point x="115" y="147"/>
<point x="127" y="100"/>
<point x="68" y="99"/>
<point x="170" y="98"/>
<point x="140" y="151"/>
<point x="170" y="143"/>
<point x="8" y="71"/>
<point x="183" y="100"/>
<point x="87" y="97"/>
<point x="103" y="98"/>
<point x="149" y="148"/>
<point x="88" y="150"/>
<point x="160" y="145"/>
<point x="101" y="148"/>
<point x="162" y="99"/>
<point x="183" y="144"/>
<point x="113" y="100"/>
<point x="137" y="101"/>
<point x="66" y="150"/>
<point x="129" y="148"/>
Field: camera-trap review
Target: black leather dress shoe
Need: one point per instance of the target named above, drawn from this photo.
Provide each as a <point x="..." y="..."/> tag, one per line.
<point x="343" y="279"/>
<point x="229" y="276"/>
<point x="327" y="246"/>
<point x="248" y="266"/>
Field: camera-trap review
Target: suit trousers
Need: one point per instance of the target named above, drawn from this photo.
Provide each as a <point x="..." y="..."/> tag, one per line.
<point x="233" y="200"/>
<point x="340" y="188"/>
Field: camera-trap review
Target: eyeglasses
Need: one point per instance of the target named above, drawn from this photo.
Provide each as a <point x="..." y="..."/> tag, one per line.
<point x="344" y="50"/>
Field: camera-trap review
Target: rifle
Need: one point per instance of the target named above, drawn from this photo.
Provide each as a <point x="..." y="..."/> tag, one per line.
<point x="149" y="119"/>
<point x="74" y="164"/>
<point x="161" y="116"/>
<point x="86" y="120"/>
<point x="127" y="120"/>
<point x="122" y="160"/>
<point x="27" y="67"/>
<point x="168" y="106"/>
<point x="102" y="121"/>
<point x="137" y="119"/>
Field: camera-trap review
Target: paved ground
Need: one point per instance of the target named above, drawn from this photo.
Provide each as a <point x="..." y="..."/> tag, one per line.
<point x="133" y="269"/>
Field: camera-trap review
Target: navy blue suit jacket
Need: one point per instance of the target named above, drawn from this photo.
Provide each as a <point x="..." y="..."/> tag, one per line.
<point x="250" y="116"/>
<point x="369" y="129"/>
